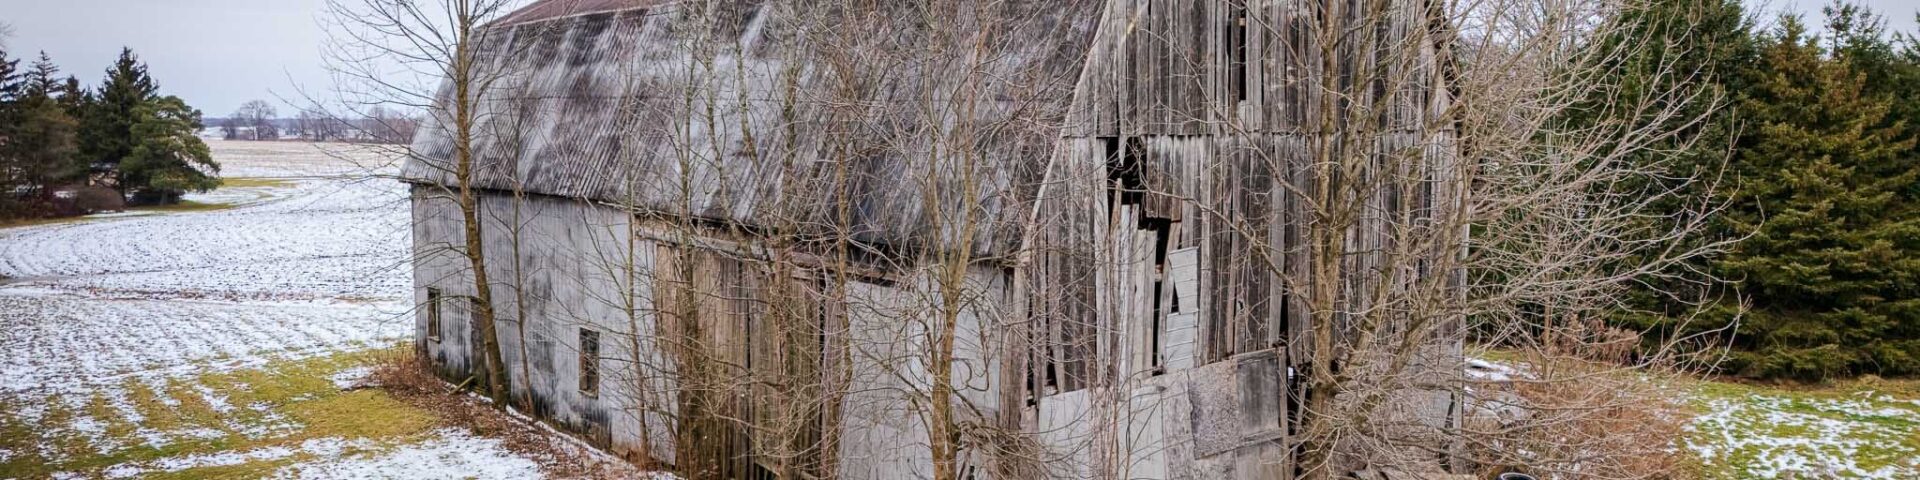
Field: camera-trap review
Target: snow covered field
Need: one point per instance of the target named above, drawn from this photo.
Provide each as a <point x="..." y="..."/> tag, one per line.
<point x="150" y="342"/>
<point x="1858" y="431"/>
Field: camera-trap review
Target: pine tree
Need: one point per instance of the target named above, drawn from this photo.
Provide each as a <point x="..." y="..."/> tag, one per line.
<point x="74" y="98"/>
<point x="1704" y="50"/>
<point x="43" y="78"/>
<point x="11" y="181"/>
<point x="1832" y="263"/>
<point x="106" y="132"/>
<point x="167" y="158"/>
<point x="44" y="140"/>
<point x="1860" y="36"/>
<point x="11" y="84"/>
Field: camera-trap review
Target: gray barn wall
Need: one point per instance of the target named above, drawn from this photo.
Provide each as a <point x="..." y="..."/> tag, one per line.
<point x="573" y="269"/>
<point x="883" y="435"/>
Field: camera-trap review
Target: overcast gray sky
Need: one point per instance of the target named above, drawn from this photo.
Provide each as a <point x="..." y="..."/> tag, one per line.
<point x="218" y="54"/>
<point x="1899" y="13"/>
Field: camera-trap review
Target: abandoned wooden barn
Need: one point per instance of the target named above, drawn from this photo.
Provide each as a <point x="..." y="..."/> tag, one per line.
<point x="735" y="234"/>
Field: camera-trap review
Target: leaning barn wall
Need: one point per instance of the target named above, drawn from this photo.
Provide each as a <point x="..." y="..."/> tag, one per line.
<point x="1175" y="163"/>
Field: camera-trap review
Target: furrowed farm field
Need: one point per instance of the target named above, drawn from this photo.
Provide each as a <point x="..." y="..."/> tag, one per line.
<point x="215" y="339"/>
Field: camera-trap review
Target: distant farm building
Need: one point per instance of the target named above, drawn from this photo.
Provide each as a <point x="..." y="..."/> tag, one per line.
<point x="694" y="213"/>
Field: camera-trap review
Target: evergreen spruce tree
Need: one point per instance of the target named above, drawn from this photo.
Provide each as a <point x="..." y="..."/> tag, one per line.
<point x="1702" y="49"/>
<point x="167" y="158"/>
<point x="11" y="80"/>
<point x="74" y="98"/>
<point x="43" y="78"/>
<point x="12" y="88"/>
<point x="1831" y="266"/>
<point x="1859" y="36"/>
<point x="43" y="142"/>
<point x="106" y="128"/>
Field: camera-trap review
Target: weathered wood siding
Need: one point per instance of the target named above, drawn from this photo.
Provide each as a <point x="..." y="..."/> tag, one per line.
<point x="1199" y="134"/>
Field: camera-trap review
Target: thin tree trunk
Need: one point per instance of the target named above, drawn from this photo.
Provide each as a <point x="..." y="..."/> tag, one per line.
<point x="463" y="117"/>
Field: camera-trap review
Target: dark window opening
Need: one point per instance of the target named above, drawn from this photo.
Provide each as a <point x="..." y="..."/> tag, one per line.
<point x="433" y="314"/>
<point x="589" y="362"/>
<point x="1126" y="173"/>
<point x="1237" y="50"/>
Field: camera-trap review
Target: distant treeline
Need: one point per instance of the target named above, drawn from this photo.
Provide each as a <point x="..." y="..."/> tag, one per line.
<point x="66" y="149"/>
<point x="1822" y="186"/>
<point x="258" y="120"/>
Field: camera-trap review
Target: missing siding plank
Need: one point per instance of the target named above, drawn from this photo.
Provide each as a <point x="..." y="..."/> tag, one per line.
<point x="1183" y="267"/>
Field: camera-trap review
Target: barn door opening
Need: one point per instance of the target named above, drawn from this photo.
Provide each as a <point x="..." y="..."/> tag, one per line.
<point x="747" y="340"/>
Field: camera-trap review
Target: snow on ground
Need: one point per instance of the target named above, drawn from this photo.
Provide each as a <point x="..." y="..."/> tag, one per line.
<point x="282" y="159"/>
<point x="317" y="267"/>
<point x="447" y="454"/>
<point x="323" y="238"/>
<point x="453" y="454"/>
<point x="69" y="343"/>
<point x="1758" y="434"/>
<point x="118" y="327"/>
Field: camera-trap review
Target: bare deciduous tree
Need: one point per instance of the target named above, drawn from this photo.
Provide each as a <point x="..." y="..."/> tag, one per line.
<point x="388" y="53"/>
<point x="1527" y="229"/>
<point x="388" y="126"/>
<point x="318" y="125"/>
<point x="257" y="115"/>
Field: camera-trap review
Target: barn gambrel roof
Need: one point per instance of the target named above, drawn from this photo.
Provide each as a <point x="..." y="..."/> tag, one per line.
<point x="775" y="116"/>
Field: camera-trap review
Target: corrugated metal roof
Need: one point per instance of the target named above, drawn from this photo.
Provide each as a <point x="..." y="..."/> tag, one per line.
<point x="551" y="9"/>
<point x="624" y="107"/>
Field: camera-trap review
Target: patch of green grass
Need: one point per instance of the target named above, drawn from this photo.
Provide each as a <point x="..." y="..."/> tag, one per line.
<point x="254" y="469"/>
<point x="1854" y="429"/>
<point x="296" y="395"/>
<point x="29" y="222"/>
<point x="256" y="182"/>
<point x="183" y="206"/>
<point x="194" y="411"/>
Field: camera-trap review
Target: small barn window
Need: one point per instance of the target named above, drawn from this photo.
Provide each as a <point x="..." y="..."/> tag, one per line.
<point x="589" y="362"/>
<point x="433" y="314"/>
<point x="1237" y="49"/>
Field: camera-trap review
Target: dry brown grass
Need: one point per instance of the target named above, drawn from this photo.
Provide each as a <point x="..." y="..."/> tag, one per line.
<point x="1583" y="420"/>
<point x="411" y="380"/>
